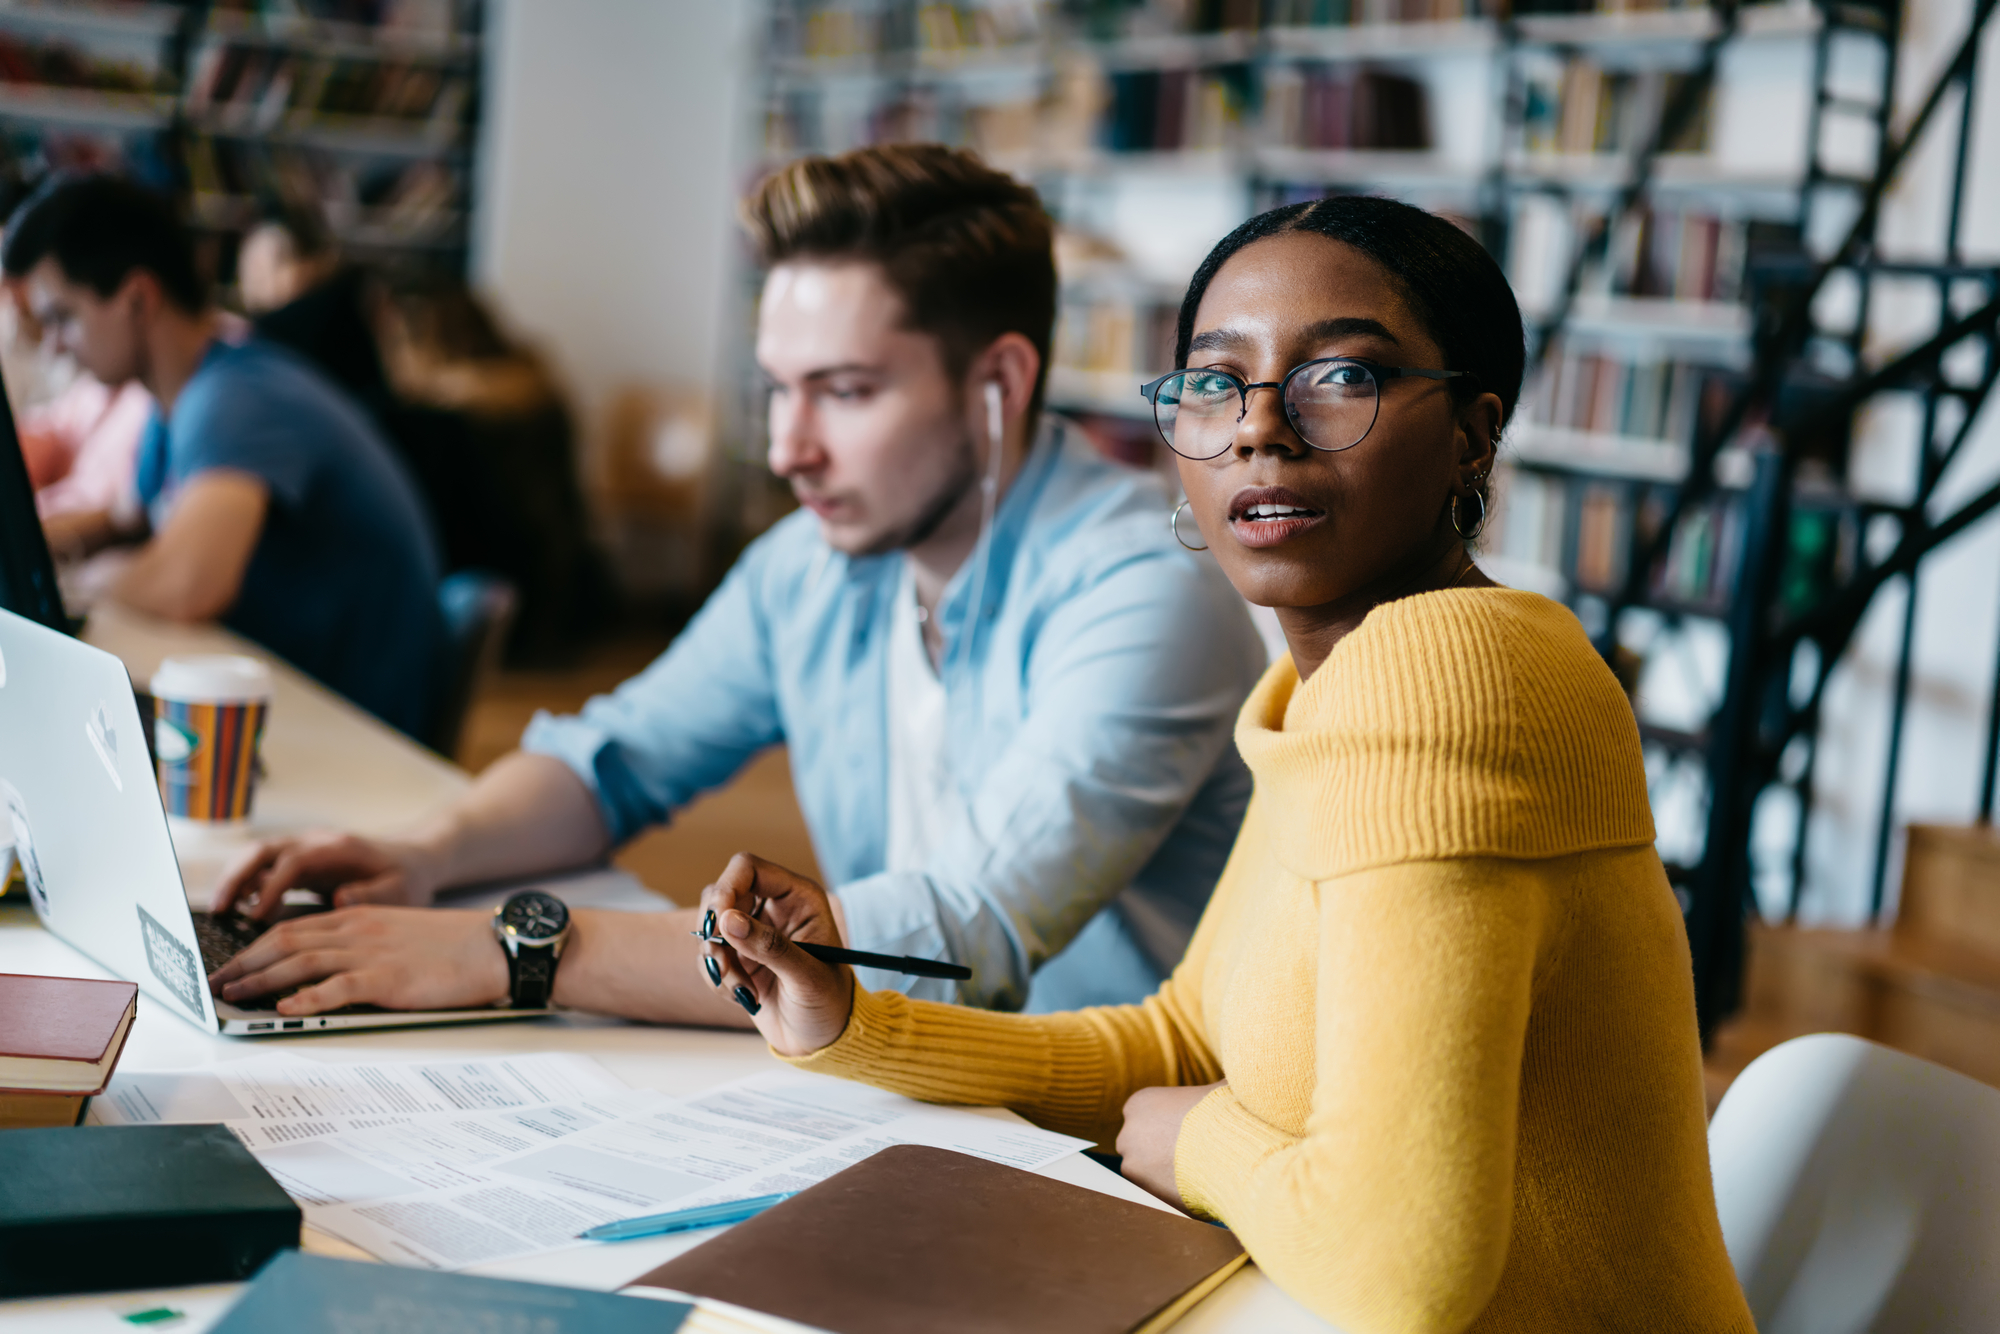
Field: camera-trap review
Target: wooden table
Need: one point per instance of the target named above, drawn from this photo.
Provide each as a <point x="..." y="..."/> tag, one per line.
<point x="328" y="763"/>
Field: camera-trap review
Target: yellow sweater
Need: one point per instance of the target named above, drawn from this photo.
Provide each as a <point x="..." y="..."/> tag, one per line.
<point x="1447" y="982"/>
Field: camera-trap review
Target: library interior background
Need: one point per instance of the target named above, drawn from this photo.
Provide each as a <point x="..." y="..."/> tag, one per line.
<point x="1757" y="247"/>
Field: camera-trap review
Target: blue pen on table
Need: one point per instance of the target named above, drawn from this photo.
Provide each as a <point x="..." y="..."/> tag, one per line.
<point x="684" y="1220"/>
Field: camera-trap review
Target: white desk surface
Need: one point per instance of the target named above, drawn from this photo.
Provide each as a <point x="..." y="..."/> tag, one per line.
<point x="328" y="763"/>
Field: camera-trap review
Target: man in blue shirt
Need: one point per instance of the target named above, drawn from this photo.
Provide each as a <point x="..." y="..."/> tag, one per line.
<point x="1009" y="707"/>
<point x="271" y="501"/>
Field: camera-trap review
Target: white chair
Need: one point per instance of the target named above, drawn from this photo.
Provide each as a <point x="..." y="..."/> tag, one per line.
<point x="1859" y="1190"/>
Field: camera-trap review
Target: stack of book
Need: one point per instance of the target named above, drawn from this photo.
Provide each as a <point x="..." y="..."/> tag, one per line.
<point x="60" y="1038"/>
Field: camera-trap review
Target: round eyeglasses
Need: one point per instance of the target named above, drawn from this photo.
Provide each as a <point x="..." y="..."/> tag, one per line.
<point x="1331" y="403"/>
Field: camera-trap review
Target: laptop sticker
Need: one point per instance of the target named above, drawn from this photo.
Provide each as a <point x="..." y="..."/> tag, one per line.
<point x="104" y="740"/>
<point x="24" y="849"/>
<point x="172" y="962"/>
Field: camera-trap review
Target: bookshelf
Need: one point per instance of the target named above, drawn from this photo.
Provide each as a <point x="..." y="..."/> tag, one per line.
<point x="1241" y="106"/>
<point x="1677" y="471"/>
<point x="367" y="112"/>
<point x="1523" y="125"/>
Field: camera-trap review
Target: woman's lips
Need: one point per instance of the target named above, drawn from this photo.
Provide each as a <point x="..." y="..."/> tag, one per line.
<point x="1254" y="530"/>
<point x="1265" y="516"/>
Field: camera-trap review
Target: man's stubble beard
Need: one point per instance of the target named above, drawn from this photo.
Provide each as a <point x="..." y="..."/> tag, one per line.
<point x="958" y="484"/>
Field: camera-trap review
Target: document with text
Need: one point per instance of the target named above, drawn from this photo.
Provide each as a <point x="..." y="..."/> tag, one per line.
<point x="277" y="1098"/>
<point x="451" y="1190"/>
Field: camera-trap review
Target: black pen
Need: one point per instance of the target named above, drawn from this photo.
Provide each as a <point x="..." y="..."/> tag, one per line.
<point x="895" y="963"/>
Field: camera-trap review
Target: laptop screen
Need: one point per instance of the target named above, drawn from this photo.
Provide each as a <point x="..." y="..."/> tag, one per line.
<point x="27" y="573"/>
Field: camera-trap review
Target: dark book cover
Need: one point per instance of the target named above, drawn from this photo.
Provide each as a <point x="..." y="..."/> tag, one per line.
<point x="916" y="1239"/>
<point x="311" y="1294"/>
<point x="95" y="1208"/>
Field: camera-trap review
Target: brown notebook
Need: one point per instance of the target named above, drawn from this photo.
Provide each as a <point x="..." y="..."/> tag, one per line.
<point x="915" y="1240"/>
<point x="60" y="1038"/>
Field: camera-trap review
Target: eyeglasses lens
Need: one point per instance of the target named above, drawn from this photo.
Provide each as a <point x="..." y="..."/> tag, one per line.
<point x="1331" y="404"/>
<point x="1197" y="412"/>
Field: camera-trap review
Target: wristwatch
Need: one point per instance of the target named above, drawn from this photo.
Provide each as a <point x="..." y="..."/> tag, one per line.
<point x="532" y="928"/>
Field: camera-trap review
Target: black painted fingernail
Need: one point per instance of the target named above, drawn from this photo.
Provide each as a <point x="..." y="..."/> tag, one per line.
<point x="708" y="925"/>
<point x="714" y="970"/>
<point x="747" y="1001"/>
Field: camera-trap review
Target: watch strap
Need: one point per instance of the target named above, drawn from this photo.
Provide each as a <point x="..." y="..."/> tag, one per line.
<point x="531" y="976"/>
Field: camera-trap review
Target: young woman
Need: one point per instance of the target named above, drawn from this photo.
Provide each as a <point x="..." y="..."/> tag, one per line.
<point x="1432" y="1052"/>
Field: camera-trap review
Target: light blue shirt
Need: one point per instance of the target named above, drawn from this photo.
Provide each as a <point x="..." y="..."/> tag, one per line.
<point x="1089" y="723"/>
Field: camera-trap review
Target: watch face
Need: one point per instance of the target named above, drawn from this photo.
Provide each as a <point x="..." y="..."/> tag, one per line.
<point x="535" y="916"/>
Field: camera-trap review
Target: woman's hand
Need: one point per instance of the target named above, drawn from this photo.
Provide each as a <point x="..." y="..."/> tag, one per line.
<point x="798" y="1003"/>
<point x="397" y="958"/>
<point x="1152" y="1128"/>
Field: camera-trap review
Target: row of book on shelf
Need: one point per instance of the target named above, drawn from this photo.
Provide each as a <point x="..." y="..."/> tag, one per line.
<point x="1572" y="106"/>
<point x="1108" y="333"/>
<point x="254" y="87"/>
<point x="60" y="64"/>
<point x="1663" y="252"/>
<point x="1355" y="13"/>
<point x="813" y="30"/>
<point x="1581" y="528"/>
<point x="1342" y="106"/>
<point x="1081" y="107"/>
<point x="1330" y="106"/>
<point x="1611" y="395"/>
<point x="413" y="200"/>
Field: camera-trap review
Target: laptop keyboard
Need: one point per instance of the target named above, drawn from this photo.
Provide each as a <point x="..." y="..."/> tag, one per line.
<point x="223" y="937"/>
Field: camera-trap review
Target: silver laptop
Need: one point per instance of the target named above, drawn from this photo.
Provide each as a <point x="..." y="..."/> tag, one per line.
<point x="91" y="838"/>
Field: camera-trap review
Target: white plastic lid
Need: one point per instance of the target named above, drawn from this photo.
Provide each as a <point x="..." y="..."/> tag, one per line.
<point x="212" y="678"/>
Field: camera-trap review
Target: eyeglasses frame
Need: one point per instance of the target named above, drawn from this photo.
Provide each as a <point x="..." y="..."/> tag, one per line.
<point x="1150" y="392"/>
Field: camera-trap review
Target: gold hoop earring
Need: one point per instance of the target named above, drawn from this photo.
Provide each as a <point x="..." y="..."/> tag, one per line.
<point x="1175" y="524"/>
<point x="1477" y="527"/>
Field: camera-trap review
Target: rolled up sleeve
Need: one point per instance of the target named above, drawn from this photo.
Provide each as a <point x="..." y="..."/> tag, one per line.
<point x="684" y="725"/>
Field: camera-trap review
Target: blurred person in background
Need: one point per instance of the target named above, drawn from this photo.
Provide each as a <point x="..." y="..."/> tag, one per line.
<point x="1008" y="708"/>
<point x="80" y="437"/>
<point x="270" y="501"/>
<point x="486" y="428"/>
<point x="298" y="292"/>
<point x="478" y="420"/>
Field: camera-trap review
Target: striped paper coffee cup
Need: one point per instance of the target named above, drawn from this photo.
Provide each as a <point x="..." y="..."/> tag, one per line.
<point x="208" y="718"/>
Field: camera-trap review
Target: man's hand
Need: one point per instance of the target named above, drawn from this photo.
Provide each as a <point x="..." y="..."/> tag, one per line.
<point x="71" y="537"/>
<point x="352" y="870"/>
<point x="397" y="958"/>
<point x="1152" y="1128"/>
<point x="798" y="1003"/>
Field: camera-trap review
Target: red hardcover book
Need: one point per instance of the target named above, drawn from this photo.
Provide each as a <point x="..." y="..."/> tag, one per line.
<point x="60" y="1038"/>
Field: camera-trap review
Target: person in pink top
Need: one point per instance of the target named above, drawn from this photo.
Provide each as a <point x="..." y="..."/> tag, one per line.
<point x="81" y="444"/>
<point x="86" y="441"/>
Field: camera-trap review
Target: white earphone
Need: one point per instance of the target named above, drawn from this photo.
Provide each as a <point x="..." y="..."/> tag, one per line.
<point x="989" y="496"/>
<point x="995" y="422"/>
